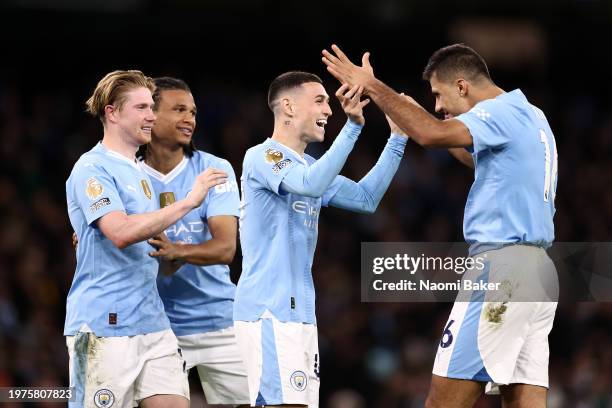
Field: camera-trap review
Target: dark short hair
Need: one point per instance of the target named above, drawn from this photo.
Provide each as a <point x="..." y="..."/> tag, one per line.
<point x="289" y="80"/>
<point x="168" y="84"/>
<point x="457" y="59"/>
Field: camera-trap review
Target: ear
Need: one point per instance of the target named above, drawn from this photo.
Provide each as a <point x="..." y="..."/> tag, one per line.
<point x="110" y="113"/>
<point x="286" y="106"/>
<point x="462" y="87"/>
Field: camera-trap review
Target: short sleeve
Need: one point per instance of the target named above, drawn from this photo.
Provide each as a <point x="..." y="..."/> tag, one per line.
<point x="223" y="199"/>
<point x="487" y="124"/>
<point x="269" y="166"/>
<point x="95" y="192"/>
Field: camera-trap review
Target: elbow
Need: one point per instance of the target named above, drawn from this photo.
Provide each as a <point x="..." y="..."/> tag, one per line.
<point x="228" y="253"/>
<point x="433" y="136"/>
<point x="116" y="229"/>
<point x="427" y="141"/>
<point x="120" y="242"/>
<point x="369" y="207"/>
<point x="120" y="239"/>
<point x="313" y="189"/>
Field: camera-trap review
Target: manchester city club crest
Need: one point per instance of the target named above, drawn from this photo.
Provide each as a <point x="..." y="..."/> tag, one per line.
<point x="104" y="398"/>
<point x="299" y="380"/>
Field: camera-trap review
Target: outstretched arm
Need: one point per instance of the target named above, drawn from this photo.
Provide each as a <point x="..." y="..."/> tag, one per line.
<point x="365" y="195"/>
<point x="422" y="127"/>
<point x="124" y="230"/>
<point x="313" y="180"/>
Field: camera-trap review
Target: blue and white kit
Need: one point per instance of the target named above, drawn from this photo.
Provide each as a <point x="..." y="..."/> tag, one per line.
<point x="509" y="221"/>
<point x="274" y="312"/>
<point x="113" y="306"/>
<point x="199" y="299"/>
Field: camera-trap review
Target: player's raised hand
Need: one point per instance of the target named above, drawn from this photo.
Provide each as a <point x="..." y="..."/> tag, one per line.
<point x="351" y="102"/>
<point x="341" y="67"/>
<point x="205" y="181"/>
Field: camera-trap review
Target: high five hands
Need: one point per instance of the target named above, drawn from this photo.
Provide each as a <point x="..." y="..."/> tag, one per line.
<point x="341" y="67"/>
<point x="351" y="102"/>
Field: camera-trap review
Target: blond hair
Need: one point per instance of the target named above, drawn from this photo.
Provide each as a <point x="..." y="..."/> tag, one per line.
<point x="112" y="88"/>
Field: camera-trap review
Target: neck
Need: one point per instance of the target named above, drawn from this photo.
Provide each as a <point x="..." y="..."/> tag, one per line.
<point x="288" y="135"/>
<point x="164" y="159"/>
<point x="119" y="143"/>
<point x="487" y="92"/>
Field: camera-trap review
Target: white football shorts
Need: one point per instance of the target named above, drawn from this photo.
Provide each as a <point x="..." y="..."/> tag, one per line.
<point x="501" y="337"/>
<point x="122" y="371"/>
<point x="220" y="366"/>
<point x="282" y="361"/>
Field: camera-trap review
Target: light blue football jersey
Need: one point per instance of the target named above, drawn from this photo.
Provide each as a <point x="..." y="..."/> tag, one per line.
<point x="515" y="158"/>
<point x="197" y="299"/>
<point x="278" y="236"/>
<point x="114" y="290"/>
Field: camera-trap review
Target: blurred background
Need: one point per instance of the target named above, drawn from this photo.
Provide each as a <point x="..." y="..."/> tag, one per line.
<point x="373" y="355"/>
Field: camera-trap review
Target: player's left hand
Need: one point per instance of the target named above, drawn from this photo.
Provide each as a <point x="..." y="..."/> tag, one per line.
<point x="341" y="67"/>
<point x="166" y="249"/>
<point x="351" y="102"/>
<point x="75" y="241"/>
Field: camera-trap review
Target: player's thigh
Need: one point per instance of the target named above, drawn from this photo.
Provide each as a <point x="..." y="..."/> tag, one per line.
<point x="282" y="362"/>
<point x="453" y="393"/>
<point x="298" y="361"/>
<point x="219" y="364"/>
<point x="165" y="401"/>
<point x="481" y="341"/>
<point x="523" y="396"/>
<point x="102" y="370"/>
<point x="249" y="341"/>
<point x="532" y="363"/>
<point x="163" y="372"/>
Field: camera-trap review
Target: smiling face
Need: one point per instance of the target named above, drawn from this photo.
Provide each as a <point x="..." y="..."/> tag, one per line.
<point x="135" y="117"/>
<point x="176" y="118"/>
<point x="451" y="96"/>
<point x="310" y="105"/>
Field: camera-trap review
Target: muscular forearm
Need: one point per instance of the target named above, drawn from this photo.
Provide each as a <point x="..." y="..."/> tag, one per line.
<point x="212" y="252"/>
<point x="124" y="230"/>
<point x="415" y="121"/>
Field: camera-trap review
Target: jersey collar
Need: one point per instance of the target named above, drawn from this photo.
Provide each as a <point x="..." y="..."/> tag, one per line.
<point x="165" y="178"/>
<point x="116" y="155"/>
<point x="296" y="154"/>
